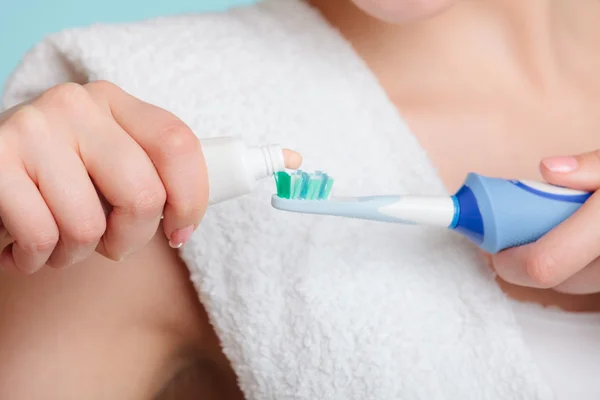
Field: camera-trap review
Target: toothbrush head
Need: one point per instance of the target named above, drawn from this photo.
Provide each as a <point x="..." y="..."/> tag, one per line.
<point x="300" y="185"/>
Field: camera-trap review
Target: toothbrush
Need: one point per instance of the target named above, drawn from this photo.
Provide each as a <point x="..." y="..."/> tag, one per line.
<point x="493" y="213"/>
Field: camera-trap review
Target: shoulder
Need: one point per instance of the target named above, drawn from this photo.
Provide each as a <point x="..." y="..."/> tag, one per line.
<point x="231" y="42"/>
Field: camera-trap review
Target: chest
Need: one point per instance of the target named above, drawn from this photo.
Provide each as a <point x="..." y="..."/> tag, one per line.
<point x="503" y="137"/>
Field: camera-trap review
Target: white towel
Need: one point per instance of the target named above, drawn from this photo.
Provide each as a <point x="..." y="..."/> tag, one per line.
<point x="309" y="307"/>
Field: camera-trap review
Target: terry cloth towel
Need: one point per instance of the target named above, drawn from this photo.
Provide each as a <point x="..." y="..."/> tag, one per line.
<point x="309" y="307"/>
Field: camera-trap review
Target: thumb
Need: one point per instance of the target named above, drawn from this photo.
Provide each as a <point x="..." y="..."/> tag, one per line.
<point x="580" y="172"/>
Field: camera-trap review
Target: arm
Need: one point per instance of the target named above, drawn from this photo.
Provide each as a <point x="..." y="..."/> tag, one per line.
<point x="104" y="330"/>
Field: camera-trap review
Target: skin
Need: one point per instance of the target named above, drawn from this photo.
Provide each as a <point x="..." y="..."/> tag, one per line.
<point x="134" y="329"/>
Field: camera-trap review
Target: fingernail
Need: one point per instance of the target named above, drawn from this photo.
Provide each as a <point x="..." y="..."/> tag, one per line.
<point x="561" y="164"/>
<point x="180" y="237"/>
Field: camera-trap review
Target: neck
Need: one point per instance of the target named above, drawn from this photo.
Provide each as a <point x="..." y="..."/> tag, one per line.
<point x="535" y="37"/>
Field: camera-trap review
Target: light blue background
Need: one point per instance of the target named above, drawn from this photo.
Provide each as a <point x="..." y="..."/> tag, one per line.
<point x="25" y="22"/>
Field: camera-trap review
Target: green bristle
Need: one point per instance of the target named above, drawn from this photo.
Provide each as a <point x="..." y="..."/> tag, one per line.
<point x="283" y="180"/>
<point x="327" y="189"/>
<point x="319" y="185"/>
<point x="303" y="186"/>
<point x="293" y="179"/>
<point x="309" y="188"/>
<point x="296" y="185"/>
<point x="314" y="186"/>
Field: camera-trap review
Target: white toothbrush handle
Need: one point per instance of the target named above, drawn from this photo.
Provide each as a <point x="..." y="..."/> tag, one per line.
<point x="397" y="209"/>
<point x="422" y="210"/>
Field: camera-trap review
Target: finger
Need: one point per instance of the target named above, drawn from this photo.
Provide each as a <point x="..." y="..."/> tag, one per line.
<point x="558" y="255"/>
<point x="580" y="172"/>
<point x="70" y="194"/>
<point x="292" y="159"/>
<point x="130" y="183"/>
<point x="27" y="218"/>
<point x="587" y="281"/>
<point x="175" y="152"/>
<point x="55" y="163"/>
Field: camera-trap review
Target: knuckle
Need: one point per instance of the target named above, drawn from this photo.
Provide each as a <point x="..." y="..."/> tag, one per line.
<point x="40" y="242"/>
<point x="27" y="121"/>
<point x="176" y="139"/>
<point x="147" y="202"/>
<point x="88" y="233"/>
<point x="66" y="96"/>
<point x="542" y="269"/>
<point x="101" y="84"/>
<point x="102" y="87"/>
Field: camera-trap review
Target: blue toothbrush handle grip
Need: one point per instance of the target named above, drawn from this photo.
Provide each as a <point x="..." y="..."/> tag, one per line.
<point x="514" y="213"/>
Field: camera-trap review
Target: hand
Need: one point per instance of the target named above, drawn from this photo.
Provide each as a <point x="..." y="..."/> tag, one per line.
<point x="567" y="258"/>
<point x="65" y="152"/>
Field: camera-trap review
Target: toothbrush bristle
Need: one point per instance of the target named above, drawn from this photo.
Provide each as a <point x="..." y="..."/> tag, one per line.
<point x="300" y="185"/>
<point x="283" y="180"/>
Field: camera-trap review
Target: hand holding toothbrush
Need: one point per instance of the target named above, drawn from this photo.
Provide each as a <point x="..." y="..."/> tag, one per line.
<point x="539" y="234"/>
<point x="567" y="258"/>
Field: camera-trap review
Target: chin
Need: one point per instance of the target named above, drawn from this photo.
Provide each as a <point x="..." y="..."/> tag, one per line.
<point x="403" y="11"/>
